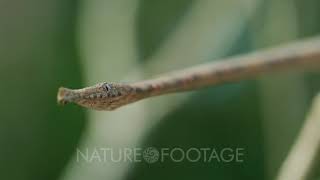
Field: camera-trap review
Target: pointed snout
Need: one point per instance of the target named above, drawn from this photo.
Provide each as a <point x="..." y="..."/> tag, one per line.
<point x="65" y="96"/>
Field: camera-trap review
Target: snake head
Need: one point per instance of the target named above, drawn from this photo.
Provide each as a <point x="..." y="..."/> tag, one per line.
<point x="102" y="96"/>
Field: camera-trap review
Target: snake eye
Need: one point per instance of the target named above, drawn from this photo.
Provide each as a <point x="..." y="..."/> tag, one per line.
<point x="107" y="86"/>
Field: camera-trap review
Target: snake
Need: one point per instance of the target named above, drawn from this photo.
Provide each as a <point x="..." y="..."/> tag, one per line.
<point x="107" y="96"/>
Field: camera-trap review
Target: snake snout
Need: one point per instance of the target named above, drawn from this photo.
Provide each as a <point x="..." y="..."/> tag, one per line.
<point x="64" y="96"/>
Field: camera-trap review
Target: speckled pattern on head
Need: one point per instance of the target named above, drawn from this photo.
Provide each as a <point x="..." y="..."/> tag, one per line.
<point x="102" y="96"/>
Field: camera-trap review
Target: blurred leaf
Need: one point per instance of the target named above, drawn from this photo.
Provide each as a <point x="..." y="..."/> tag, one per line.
<point x="155" y="20"/>
<point x="308" y="25"/>
<point x="283" y="95"/>
<point x="221" y="117"/>
<point x="39" y="55"/>
<point x="308" y="17"/>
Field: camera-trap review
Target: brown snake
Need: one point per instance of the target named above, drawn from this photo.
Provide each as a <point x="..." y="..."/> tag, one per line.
<point x="109" y="96"/>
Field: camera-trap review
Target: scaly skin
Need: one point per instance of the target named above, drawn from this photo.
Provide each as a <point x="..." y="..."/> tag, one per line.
<point x="103" y="96"/>
<point x="109" y="96"/>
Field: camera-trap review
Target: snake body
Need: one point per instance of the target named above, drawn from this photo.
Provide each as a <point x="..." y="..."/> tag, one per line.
<point x="109" y="96"/>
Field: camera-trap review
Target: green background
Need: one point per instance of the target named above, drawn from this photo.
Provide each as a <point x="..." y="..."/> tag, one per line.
<point x="40" y="50"/>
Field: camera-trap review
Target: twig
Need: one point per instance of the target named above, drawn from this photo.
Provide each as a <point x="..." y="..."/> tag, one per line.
<point x="108" y="96"/>
<point x="304" y="156"/>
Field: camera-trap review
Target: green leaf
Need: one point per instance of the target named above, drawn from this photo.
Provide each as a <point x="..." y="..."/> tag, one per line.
<point x="155" y="21"/>
<point x="38" y="136"/>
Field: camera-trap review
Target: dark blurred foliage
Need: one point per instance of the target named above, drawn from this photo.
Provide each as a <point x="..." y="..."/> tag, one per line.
<point x="152" y="28"/>
<point x="38" y="54"/>
<point x="308" y="16"/>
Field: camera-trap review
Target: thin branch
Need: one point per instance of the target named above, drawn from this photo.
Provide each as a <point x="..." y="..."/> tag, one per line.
<point x="108" y="96"/>
<point x="303" y="158"/>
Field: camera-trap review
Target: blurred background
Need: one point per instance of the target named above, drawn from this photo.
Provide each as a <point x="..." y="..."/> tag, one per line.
<point x="45" y="44"/>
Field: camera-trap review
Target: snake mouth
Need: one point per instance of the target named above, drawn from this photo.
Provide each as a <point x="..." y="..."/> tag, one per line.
<point x="65" y="96"/>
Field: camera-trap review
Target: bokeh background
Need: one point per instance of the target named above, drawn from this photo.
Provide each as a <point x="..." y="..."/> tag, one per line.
<point x="45" y="44"/>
